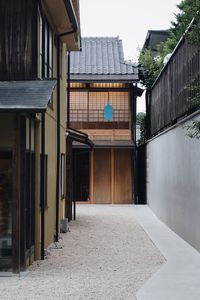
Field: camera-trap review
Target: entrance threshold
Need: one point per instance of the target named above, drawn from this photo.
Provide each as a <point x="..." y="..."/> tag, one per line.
<point x="10" y="274"/>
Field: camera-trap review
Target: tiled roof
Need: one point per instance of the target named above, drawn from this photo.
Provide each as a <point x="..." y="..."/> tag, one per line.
<point x="26" y="95"/>
<point x="101" y="58"/>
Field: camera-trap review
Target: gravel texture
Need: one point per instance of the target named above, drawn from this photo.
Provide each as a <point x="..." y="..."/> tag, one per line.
<point x="106" y="255"/>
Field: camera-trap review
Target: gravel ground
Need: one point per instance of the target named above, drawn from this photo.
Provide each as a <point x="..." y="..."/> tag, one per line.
<point x="106" y="255"/>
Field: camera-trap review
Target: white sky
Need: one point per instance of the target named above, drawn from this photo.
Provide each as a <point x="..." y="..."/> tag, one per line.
<point x="128" y="19"/>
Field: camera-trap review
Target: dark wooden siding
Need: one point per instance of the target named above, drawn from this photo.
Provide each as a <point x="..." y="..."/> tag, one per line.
<point x="100" y="125"/>
<point x="170" y="95"/>
<point x="18" y="39"/>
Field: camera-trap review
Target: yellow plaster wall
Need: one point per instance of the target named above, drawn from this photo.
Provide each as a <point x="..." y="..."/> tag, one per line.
<point x="51" y="151"/>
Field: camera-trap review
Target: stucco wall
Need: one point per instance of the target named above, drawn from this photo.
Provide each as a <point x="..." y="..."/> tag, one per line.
<point x="173" y="182"/>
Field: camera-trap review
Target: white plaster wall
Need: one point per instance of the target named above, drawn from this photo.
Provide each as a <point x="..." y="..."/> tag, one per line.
<point x="173" y="182"/>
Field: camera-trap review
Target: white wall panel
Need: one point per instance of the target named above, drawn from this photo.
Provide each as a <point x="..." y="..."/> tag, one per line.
<point x="173" y="182"/>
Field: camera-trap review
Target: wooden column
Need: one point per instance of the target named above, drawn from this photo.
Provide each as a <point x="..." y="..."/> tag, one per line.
<point x="92" y="177"/>
<point x="113" y="175"/>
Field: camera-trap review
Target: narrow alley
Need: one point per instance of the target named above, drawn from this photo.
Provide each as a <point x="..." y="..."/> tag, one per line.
<point x="106" y="255"/>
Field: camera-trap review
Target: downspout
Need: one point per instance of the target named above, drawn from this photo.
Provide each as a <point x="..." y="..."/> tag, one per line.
<point x="58" y="140"/>
<point x="42" y="199"/>
<point x="42" y="187"/>
<point x="74" y="23"/>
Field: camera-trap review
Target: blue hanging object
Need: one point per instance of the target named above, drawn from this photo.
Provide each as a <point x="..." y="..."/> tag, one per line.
<point x="108" y="112"/>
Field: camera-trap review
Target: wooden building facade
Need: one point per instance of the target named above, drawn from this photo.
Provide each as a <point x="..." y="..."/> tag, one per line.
<point x="103" y="96"/>
<point x="34" y="37"/>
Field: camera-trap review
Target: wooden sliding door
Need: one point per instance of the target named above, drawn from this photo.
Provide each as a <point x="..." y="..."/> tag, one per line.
<point x="102" y="177"/>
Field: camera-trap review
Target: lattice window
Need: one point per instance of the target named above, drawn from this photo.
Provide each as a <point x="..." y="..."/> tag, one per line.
<point x="89" y="106"/>
<point x="108" y="85"/>
<point x="77" y="85"/>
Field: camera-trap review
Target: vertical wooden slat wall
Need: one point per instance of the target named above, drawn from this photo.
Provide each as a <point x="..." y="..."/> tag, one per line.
<point x="18" y="40"/>
<point x="171" y="93"/>
<point x="111" y="177"/>
<point x="102" y="176"/>
<point x="122" y="177"/>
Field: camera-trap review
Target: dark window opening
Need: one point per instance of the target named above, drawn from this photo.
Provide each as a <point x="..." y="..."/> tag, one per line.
<point x="81" y="165"/>
<point x="62" y="178"/>
<point x="48" y="50"/>
<point x="45" y="178"/>
<point x="30" y="199"/>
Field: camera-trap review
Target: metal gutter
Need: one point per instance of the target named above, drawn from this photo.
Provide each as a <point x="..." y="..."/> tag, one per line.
<point x="71" y="14"/>
<point x="74" y="136"/>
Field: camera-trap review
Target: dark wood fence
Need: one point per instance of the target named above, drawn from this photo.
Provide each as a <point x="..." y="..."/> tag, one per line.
<point x="170" y="97"/>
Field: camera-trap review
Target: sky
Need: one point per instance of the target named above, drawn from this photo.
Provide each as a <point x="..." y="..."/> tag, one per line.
<point x="128" y="19"/>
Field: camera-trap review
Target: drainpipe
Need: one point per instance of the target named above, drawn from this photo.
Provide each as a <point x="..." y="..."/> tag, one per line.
<point x="42" y="187"/>
<point x="58" y="140"/>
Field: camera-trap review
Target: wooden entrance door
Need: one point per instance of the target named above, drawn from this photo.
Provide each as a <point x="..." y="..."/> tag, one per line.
<point x="122" y="177"/>
<point x="102" y="177"/>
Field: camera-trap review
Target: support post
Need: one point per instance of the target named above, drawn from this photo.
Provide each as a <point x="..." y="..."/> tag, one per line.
<point x="113" y="175"/>
<point x="92" y="177"/>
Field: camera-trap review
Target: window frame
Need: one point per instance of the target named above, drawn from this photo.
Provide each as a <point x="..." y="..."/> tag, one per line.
<point x="47" y="50"/>
<point x="62" y="176"/>
<point x="45" y="179"/>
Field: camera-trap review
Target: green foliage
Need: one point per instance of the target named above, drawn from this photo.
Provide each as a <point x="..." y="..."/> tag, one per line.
<point x="193" y="129"/>
<point x="141" y="121"/>
<point x="151" y="65"/>
<point x="188" y="15"/>
<point x="167" y="46"/>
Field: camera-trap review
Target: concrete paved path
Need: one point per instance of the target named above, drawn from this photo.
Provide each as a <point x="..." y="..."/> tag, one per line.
<point x="179" y="277"/>
<point x="106" y="255"/>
